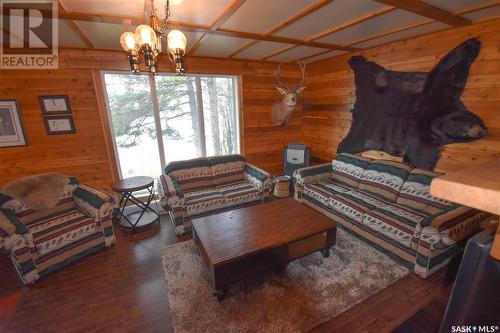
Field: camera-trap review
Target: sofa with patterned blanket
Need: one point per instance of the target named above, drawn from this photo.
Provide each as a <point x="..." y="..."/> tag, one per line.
<point x="203" y="186"/>
<point x="48" y="221"/>
<point x="388" y="204"/>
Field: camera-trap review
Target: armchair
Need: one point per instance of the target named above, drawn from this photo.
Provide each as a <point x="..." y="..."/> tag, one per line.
<point x="70" y="221"/>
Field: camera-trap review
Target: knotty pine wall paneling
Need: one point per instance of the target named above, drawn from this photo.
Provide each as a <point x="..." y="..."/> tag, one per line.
<point x="85" y="154"/>
<point x="330" y="92"/>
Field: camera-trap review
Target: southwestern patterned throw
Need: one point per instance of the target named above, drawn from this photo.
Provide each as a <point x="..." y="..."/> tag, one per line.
<point x="40" y="241"/>
<point x="388" y="204"/>
<point x="202" y="186"/>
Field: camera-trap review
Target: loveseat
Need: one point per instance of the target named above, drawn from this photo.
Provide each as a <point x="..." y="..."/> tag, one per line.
<point x="388" y="205"/>
<point x="203" y="186"/>
<point x="48" y="221"/>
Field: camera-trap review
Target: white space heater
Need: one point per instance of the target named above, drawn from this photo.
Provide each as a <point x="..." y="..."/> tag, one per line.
<point x="295" y="156"/>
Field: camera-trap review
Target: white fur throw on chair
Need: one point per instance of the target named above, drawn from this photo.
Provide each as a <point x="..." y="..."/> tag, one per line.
<point x="38" y="192"/>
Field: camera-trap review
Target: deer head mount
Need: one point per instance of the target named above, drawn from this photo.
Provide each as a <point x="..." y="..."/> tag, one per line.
<point x="283" y="109"/>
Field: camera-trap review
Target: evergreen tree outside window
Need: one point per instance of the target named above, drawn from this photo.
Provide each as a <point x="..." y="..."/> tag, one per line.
<point x="159" y="119"/>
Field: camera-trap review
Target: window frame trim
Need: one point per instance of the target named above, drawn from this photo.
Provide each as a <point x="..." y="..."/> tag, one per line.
<point x="238" y="111"/>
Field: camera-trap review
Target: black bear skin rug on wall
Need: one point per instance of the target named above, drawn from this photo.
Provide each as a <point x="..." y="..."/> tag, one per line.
<point x="413" y="114"/>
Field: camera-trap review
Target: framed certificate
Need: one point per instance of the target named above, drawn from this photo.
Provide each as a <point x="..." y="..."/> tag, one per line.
<point x="57" y="104"/>
<point x="59" y="125"/>
<point x="11" y="126"/>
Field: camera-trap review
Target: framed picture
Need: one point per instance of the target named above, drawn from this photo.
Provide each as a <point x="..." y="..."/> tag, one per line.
<point x="56" y="104"/>
<point x="11" y="125"/>
<point x="59" y="125"/>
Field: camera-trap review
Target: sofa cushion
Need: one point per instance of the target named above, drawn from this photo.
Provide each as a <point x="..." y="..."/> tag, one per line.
<point x="198" y="202"/>
<point x="348" y="168"/>
<point x="227" y="169"/>
<point x="240" y="192"/>
<point x="191" y="175"/>
<point x="63" y="228"/>
<point x="355" y="203"/>
<point x="395" y="222"/>
<point x="385" y="178"/>
<point x="324" y="190"/>
<point x="415" y="192"/>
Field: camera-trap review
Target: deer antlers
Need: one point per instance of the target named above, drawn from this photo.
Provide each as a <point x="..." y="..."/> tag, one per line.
<point x="281" y="84"/>
<point x="278" y="78"/>
<point x="303" y="71"/>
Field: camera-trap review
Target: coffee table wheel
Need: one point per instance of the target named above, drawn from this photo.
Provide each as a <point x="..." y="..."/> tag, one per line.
<point x="220" y="294"/>
<point x="325" y="252"/>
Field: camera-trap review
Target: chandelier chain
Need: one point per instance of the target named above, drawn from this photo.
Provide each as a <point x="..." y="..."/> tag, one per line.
<point x="167" y="10"/>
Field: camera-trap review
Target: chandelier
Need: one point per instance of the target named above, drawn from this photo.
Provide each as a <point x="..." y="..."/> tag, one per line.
<point x="147" y="41"/>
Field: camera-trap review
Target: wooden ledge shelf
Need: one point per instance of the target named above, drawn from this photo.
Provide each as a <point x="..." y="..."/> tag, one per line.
<point x="477" y="187"/>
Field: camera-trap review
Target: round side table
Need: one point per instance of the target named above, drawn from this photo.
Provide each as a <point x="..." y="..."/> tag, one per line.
<point x="146" y="215"/>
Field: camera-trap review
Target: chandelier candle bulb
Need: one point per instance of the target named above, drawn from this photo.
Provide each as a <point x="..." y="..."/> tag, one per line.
<point x="176" y="42"/>
<point x="177" y="48"/>
<point x="146" y="35"/>
<point x="130" y="44"/>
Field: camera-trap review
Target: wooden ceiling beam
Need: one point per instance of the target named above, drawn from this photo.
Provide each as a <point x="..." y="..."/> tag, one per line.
<point x="357" y="20"/>
<point x="309" y="10"/>
<point x="427" y="10"/>
<point x="76" y="27"/>
<point x="196" y="45"/>
<point x="411" y="26"/>
<point x="478" y="7"/>
<point x="249" y="35"/>
<point x="314" y="55"/>
<point x="279" y="52"/>
<point x="114" y="19"/>
<point x="242" y="48"/>
<point x="235" y="5"/>
<point x="85" y="17"/>
<point x="346" y="25"/>
<point x="382" y="34"/>
<point x="389" y="32"/>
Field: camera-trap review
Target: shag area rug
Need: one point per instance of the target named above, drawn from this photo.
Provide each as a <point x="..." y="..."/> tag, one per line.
<point x="310" y="291"/>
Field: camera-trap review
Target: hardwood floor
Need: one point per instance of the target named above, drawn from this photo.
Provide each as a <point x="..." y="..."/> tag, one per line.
<point x="119" y="289"/>
<point x="122" y="289"/>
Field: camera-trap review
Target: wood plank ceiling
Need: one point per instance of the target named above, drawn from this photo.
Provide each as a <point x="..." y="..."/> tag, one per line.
<point x="273" y="30"/>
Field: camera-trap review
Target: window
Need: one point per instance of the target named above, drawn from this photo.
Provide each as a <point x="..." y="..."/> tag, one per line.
<point x="164" y="118"/>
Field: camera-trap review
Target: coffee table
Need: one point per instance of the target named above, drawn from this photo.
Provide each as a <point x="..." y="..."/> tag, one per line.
<point x="242" y="242"/>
